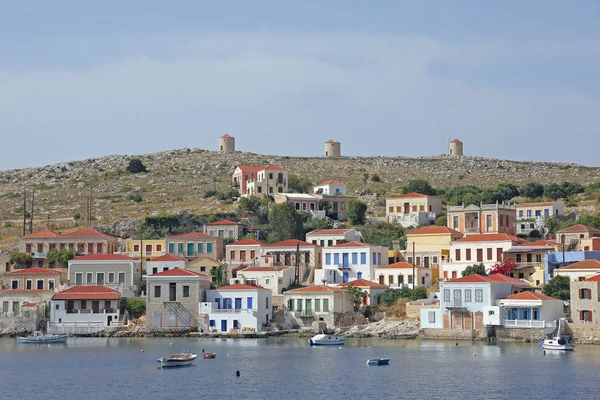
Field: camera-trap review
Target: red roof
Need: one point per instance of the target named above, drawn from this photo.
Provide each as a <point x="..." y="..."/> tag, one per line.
<point x="455" y="141"/>
<point x="408" y="195"/>
<point x="91" y="292"/>
<point x="30" y="304"/>
<point x="86" y="232"/>
<point x="240" y="286"/>
<point x="528" y="295"/>
<point x="190" y="235"/>
<point x="177" y="272"/>
<point x="34" y="271"/>
<point x="584" y="264"/>
<point x="328" y="232"/>
<point x="489" y="237"/>
<point x="362" y="283"/>
<point x="23" y="291"/>
<point x="353" y="244"/>
<point x="43" y="233"/>
<point x="263" y="269"/>
<point x="579" y="228"/>
<point x="504" y="278"/>
<point x="246" y="242"/>
<point x="249" y="169"/>
<point x="331" y="182"/>
<point x="400" y="264"/>
<point x="434" y="230"/>
<point x="474" y="278"/>
<point x="595" y="278"/>
<point x="226" y="135"/>
<point x="168" y="258"/>
<point x="103" y="257"/>
<point x="222" y="222"/>
<point x="291" y="243"/>
<point x="540" y="243"/>
<point x="274" y="167"/>
<point x="316" y="289"/>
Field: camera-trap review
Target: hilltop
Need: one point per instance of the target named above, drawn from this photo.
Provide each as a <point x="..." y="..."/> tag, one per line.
<point x="178" y="179"/>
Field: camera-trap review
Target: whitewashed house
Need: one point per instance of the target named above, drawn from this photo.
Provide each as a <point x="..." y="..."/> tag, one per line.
<point x="164" y="263"/>
<point x="332" y="237"/>
<point x="526" y="310"/>
<point x="238" y="306"/>
<point x="330" y="187"/>
<point x="402" y="274"/>
<point x="346" y="262"/>
<point x="274" y="278"/>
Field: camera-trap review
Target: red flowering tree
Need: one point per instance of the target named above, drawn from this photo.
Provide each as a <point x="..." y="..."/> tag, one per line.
<point x="504" y="268"/>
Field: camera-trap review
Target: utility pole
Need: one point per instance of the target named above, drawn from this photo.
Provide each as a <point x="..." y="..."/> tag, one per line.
<point x="90" y="207"/>
<point x="24" y="211"/>
<point x="413" y="264"/>
<point x="297" y="269"/>
<point x="32" y="209"/>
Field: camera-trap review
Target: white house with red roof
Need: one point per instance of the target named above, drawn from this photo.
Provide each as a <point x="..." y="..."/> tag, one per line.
<point x="346" y="262"/>
<point x="580" y="270"/>
<point x="260" y="180"/>
<point x="195" y="244"/>
<point x="372" y="289"/>
<point x="239" y="306"/>
<point x="164" y="263"/>
<point x="402" y="274"/>
<point x="526" y="310"/>
<point x="116" y="271"/>
<point x="271" y="277"/>
<point x="84" y="310"/>
<point x="412" y="209"/>
<point x="485" y="248"/>
<point x="173" y="298"/>
<point x="332" y="237"/>
<point x="532" y="216"/>
<point x="302" y="202"/>
<point x="316" y="303"/>
<point x="225" y="229"/>
<point x="330" y="187"/>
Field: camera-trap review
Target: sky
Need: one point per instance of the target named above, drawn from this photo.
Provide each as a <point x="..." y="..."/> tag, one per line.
<point x="513" y="79"/>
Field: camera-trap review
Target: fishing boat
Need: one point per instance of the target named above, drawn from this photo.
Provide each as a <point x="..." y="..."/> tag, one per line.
<point x="182" y="359"/>
<point x="326" y="340"/>
<point x="558" y="342"/>
<point x="378" y="361"/>
<point x="209" y="355"/>
<point x="40" y="337"/>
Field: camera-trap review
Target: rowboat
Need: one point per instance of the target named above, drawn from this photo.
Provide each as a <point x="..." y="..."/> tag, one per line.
<point x="378" y="361"/>
<point x="40" y="337"/>
<point x="209" y="355"/>
<point x="177" y="360"/>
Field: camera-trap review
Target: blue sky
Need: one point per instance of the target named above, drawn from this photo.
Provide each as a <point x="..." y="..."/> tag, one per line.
<point x="511" y="79"/>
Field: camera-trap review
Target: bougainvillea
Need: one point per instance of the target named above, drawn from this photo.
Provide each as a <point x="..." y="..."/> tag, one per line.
<point x="503" y="268"/>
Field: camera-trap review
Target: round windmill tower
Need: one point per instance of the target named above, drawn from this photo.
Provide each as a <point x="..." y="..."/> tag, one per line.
<point x="455" y="148"/>
<point x="333" y="148"/>
<point x="227" y="143"/>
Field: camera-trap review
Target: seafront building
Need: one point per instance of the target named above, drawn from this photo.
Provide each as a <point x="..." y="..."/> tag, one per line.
<point x="346" y="262"/>
<point x="116" y="271"/>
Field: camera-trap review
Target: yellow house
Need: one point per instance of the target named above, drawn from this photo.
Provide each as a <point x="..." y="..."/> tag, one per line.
<point x="529" y="258"/>
<point x="431" y="245"/>
<point x="203" y="265"/>
<point x="152" y="248"/>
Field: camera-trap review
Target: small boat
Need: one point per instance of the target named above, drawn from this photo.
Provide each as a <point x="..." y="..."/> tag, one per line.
<point x="209" y="355"/>
<point x="177" y="360"/>
<point x="558" y="342"/>
<point x="40" y="337"/>
<point x="326" y="340"/>
<point x="378" y="361"/>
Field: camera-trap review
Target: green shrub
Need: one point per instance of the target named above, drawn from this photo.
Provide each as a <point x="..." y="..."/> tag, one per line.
<point x="210" y="193"/>
<point x="136" y="306"/>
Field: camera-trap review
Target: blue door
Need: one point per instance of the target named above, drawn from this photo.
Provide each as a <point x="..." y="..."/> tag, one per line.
<point x="238" y="303"/>
<point x="345" y="260"/>
<point x="223" y="325"/>
<point x="345" y="277"/>
<point x="359" y="275"/>
<point x="190" y="249"/>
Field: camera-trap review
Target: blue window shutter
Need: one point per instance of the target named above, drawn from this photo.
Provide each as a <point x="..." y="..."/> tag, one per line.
<point x="218" y="303"/>
<point x="200" y="248"/>
<point x="209" y="247"/>
<point x="249" y="303"/>
<point x="267" y="306"/>
<point x="171" y="248"/>
<point x="328" y="259"/>
<point x="354" y="258"/>
<point x="363" y="258"/>
<point x="336" y="259"/>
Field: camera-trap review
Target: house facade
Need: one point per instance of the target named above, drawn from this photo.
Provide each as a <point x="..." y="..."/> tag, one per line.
<point x="531" y="216"/>
<point x="579" y="238"/>
<point x="260" y="181"/>
<point x="84" y="310"/>
<point x="332" y="237"/>
<point x="284" y="253"/>
<point x="173" y="298"/>
<point x="150" y="249"/>
<point x="580" y="270"/>
<point x="273" y="278"/>
<point x="332" y="186"/>
<point x="373" y="291"/>
<point x="400" y="274"/>
<point x="412" y="209"/>
<point x="116" y="271"/>
<point x="317" y="303"/>
<point x="335" y="205"/>
<point x="529" y="260"/>
<point x="485" y="218"/>
<point x="346" y="262"/>
<point x="429" y="245"/>
<point x="245" y="251"/>
<point x="195" y="244"/>
<point x="302" y="202"/>
<point x="585" y="300"/>
<point x="242" y="307"/>
<point x="526" y="310"/>
<point x="224" y="229"/>
<point x="164" y="263"/>
<point x="32" y="284"/>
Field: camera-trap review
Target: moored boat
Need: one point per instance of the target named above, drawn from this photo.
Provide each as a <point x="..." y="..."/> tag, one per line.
<point x="326" y="340"/>
<point x="177" y="360"/>
<point x="40" y="337"/>
<point x="209" y="355"/>
<point x="558" y="342"/>
<point x="378" y="361"/>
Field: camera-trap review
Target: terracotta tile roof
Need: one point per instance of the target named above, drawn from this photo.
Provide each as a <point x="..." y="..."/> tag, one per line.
<point x="34" y="271"/>
<point x="363" y="283"/>
<point x="316" y="289"/>
<point x="190" y="235"/>
<point x="30" y="305"/>
<point x="353" y="244"/>
<point x="330" y="182"/>
<point x="434" y="230"/>
<point x="43" y="233"/>
<point x="86" y="232"/>
<point x="472" y="279"/>
<point x="504" y="278"/>
<point x="595" y="278"/>
<point x="528" y="295"/>
<point x="263" y="269"/>
<point x="490" y="237"/>
<point x="291" y="243"/>
<point x="400" y="264"/>
<point x="537" y="204"/>
<point x="222" y="222"/>
<point x="328" y="232"/>
<point x="584" y="264"/>
<point x="176" y="272"/>
<point x="408" y="195"/>
<point x="579" y="228"/>
<point x="273" y="167"/>
<point x="240" y="286"/>
<point x="103" y="257"/>
<point x="226" y="135"/>
<point x="456" y="141"/>
<point x="167" y="258"/>
<point x="249" y="169"/>
<point x="541" y="243"/>
<point x="87" y="293"/>
<point x="22" y="291"/>
<point x="246" y="242"/>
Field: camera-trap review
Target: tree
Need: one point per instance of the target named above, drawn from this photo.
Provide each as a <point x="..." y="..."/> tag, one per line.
<point x="298" y="184"/>
<point x="535" y="234"/>
<point x="285" y="222"/>
<point x="136" y="166"/>
<point x="358" y="296"/>
<point x="558" y="287"/>
<point x="390" y="296"/>
<point x="356" y="212"/>
<point x="61" y="257"/>
<point x="382" y="234"/>
<point x="218" y="276"/>
<point x="375" y="178"/>
<point x="20" y="259"/>
<point x="136" y="306"/>
<point x="503" y="268"/>
<point x="77" y="216"/>
<point x="592" y="220"/>
<point x="248" y="207"/>
<point x="420" y="292"/>
<point x="532" y="190"/>
<point x="478" y="269"/>
<point x="442" y="220"/>
<point x="419" y="186"/>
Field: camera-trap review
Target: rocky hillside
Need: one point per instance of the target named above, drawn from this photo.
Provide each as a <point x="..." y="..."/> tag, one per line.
<point x="178" y="180"/>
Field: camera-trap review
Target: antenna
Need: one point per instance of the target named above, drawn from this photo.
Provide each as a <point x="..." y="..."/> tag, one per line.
<point x="32" y="209"/>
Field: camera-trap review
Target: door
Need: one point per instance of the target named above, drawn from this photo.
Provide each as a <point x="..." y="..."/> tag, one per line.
<point x="223" y="325"/>
<point x="190" y="249"/>
<point x="107" y="306"/>
<point x="100" y="278"/>
<point x="156" y="321"/>
<point x="109" y="320"/>
<point x="95" y="306"/>
<point x="345" y="260"/>
<point x="172" y="318"/>
<point x="185" y="318"/>
<point x="308" y="307"/>
<point x="345" y="277"/>
<point x="479" y="255"/>
<point x="242" y="255"/>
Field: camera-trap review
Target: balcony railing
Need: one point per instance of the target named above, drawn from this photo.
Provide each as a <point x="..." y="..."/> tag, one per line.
<point x="89" y="311"/>
<point x="521" y="323"/>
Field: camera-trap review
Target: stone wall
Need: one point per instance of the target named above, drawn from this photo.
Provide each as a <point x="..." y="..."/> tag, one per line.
<point x="451" y="334"/>
<point x="584" y="332"/>
<point x="413" y="311"/>
<point x="529" y="335"/>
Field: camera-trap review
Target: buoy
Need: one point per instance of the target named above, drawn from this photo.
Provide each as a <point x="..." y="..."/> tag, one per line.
<point x="227" y="354"/>
<point x="457" y="343"/>
<point x="237" y="373"/>
<point x="142" y="350"/>
<point x="171" y="344"/>
<point x="474" y="354"/>
<point x="185" y="338"/>
<point x="203" y="350"/>
<point x="544" y="352"/>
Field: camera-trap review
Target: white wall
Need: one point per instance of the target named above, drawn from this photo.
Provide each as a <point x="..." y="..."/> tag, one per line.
<point x="424" y="318"/>
<point x="62" y="315"/>
<point x="261" y="305"/>
<point x="161" y="265"/>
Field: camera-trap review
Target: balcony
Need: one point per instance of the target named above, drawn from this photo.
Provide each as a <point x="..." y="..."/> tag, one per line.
<point x="471" y="230"/>
<point x="522" y="323"/>
<point x="39" y="254"/>
<point x="89" y="311"/>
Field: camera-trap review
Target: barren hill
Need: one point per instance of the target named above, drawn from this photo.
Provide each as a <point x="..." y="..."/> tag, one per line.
<point x="178" y="179"/>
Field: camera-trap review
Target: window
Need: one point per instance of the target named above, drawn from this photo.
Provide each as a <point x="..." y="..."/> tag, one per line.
<point x="186" y="291"/>
<point x="227" y="303"/>
<point x="298" y="305"/>
<point x="359" y="275"/>
<point x="374" y="258"/>
<point x="391" y="279"/>
<point x="488" y="220"/>
<point x="468" y="254"/>
<point x="50" y="284"/>
<point x="418" y="262"/>
<point x="200" y="248"/>
<point x="435" y="259"/>
<point x="171" y="248"/>
<point x="328" y="259"/>
<point x="14" y="284"/>
<point x="89" y="277"/>
<point x="39" y="284"/>
<point x="290" y="304"/>
<point x="490" y="254"/>
<point x="156" y="291"/>
<point x="266" y="302"/>
<point x="325" y="305"/>
<point x="111" y="277"/>
<point x="317" y="305"/>
<point x="159" y="247"/>
<point x="585" y="294"/>
<point x="532" y="226"/>
<point x="446" y="294"/>
<point x="479" y="295"/>
<point x="468" y="295"/>
<point x="528" y="213"/>
<point x="211" y="322"/>
<point x="491" y="312"/>
<point x="267" y="281"/>
<point x="354" y="258"/>
<point x="410" y="279"/>
<point x="100" y="278"/>
<point x="136" y="247"/>
<point x="546" y="212"/>
<point x="232" y="255"/>
<point x="249" y="303"/>
<point x="522" y="226"/>
<point x="585" y="315"/>
<point x="401" y="279"/>
<point x="363" y="258"/>
<point x="121" y="278"/>
<point x="209" y="247"/>
<point x="455" y="222"/>
<point x="336" y="259"/>
<point x="457" y="255"/>
<point x="431" y="317"/>
<point x="391" y="209"/>
<point x="79" y="278"/>
<point x="520" y="213"/>
<point x="410" y="260"/>
<point x="179" y="248"/>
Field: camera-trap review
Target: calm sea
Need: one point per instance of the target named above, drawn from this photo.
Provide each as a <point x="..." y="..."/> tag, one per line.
<point x="286" y="368"/>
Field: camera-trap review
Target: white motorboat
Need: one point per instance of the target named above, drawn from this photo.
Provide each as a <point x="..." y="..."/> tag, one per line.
<point x="378" y="361"/>
<point x="182" y="359"/>
<point x="558" y="342"/>
<point x="326" y="340"/>
<point x="40" y="337"/>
